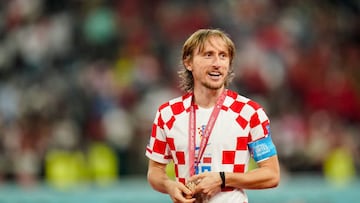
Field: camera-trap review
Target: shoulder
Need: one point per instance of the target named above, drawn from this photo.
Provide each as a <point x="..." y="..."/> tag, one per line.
<point x="239" y="100"/>
<point x="176" y="105"/>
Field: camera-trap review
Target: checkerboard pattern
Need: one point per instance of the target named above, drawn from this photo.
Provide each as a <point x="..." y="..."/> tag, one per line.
<point x="240" y="121"/>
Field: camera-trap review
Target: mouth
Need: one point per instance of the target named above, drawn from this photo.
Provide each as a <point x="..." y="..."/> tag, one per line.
<point x="214" y="75"/>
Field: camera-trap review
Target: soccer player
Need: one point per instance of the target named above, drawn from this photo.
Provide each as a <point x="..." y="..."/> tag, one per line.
<point x="211" y="131"/>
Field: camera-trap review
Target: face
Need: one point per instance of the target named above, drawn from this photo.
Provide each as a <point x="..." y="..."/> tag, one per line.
<point x="210" y="66"/>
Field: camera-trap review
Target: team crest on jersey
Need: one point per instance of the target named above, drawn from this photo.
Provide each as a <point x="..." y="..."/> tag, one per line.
<point x="201" y="130"/>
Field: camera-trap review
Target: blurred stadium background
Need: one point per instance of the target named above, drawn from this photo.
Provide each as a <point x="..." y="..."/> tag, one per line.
<point x="80" y="82"/>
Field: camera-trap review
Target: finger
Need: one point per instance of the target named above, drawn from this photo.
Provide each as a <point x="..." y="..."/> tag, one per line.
<point x="185" y="199"/>
<point x="201" y="187"/>
<point x="189" y="200"/>
<point x="186" y="189"/>
<point x="187" y="193"/>
<point x="211" y="192"/>
<point x="195" y="177"/>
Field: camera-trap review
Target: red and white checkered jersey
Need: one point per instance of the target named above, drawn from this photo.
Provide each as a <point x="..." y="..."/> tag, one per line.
<point x="240" y="121"/>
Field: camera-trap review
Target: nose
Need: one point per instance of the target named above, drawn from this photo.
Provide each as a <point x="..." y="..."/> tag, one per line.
<point x="216" y="61"/>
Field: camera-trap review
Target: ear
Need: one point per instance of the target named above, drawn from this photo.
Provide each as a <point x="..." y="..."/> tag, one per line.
<point x="187" y="65"/>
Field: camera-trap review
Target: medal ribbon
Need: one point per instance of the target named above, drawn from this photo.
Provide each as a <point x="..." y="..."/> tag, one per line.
<point x="205" y="138"/>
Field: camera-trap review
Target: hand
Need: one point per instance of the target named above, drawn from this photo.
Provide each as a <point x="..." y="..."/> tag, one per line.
<point x="179" y="193"/>
<point x="208" y="183"/>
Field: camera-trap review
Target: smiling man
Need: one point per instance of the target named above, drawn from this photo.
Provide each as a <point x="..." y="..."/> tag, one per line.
<point x="210" y="132"/>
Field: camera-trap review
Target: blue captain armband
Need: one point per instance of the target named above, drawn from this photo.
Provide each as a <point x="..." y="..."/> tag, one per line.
<point x="262" y="149"/>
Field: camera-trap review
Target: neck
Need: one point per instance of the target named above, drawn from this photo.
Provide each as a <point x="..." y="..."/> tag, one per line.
<point x="207" y="98"/>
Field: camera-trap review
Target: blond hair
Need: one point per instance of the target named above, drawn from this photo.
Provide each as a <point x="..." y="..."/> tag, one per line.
<point x="197" y="40"/>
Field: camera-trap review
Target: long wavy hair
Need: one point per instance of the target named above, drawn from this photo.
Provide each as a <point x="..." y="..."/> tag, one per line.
<point x="197" y="40"/>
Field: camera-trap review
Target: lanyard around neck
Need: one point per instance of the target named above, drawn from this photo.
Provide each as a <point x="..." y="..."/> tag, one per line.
<point x="207" y="132"/>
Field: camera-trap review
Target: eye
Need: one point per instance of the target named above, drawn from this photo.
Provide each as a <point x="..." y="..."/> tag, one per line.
<point x="223" y="55"/>
<point x="208" y="54"/>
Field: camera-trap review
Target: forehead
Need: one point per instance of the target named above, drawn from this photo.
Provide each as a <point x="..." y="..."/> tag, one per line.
<point x="213" y="43"/>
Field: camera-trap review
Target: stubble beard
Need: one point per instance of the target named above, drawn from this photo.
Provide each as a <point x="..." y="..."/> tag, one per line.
<point x="213" y="86"/>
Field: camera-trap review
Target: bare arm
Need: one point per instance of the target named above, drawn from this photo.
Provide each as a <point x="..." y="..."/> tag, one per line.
<point x="266" y="176"/>
<point x="159" y="180"/>
<point x="157" y="176"/>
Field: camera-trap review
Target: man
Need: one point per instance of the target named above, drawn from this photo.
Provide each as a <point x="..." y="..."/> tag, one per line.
<point x="210" y="132"/>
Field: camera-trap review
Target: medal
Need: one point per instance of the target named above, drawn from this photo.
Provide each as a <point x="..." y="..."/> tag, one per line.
<point x="200" y="197"/>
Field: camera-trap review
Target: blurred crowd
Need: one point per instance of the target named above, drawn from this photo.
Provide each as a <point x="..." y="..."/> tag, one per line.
<point x="80" y="81"/>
